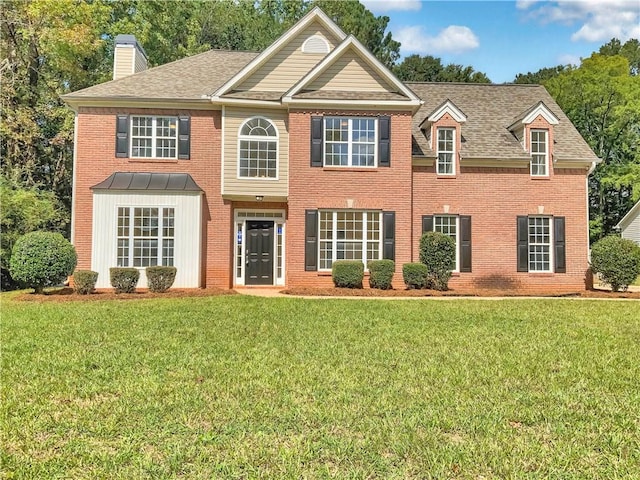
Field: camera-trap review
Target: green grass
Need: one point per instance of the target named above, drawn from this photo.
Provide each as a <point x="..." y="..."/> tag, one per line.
<point x="242" y="387"/>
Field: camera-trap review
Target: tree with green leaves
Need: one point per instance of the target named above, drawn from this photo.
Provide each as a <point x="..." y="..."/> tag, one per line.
<point x="416" y="68"/>
<point x="602" y="99"/>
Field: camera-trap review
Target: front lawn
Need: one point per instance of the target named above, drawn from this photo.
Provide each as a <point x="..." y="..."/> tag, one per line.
<point x="244" y="387"/>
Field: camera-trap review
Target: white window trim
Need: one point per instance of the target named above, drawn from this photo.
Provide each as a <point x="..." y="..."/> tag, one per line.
<point x="242" y="216"/>
<point x="364" y="241"/>
<point x="154" y="138"/>
<point x="551" y="245"/>
<point x="256" y="138"/>
<point x="457" y="239"/>
<point x="452" y="152"/>
<point x="131" y="237"/>
<point x="349" y="142"/>
<point x="546" y="151"/>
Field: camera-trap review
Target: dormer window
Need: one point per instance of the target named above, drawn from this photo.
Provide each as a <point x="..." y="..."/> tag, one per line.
<point x="539" y="149"/>
<point x="446" y="151"/>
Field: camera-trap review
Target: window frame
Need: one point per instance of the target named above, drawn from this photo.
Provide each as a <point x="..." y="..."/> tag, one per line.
<point x="334" y="240"/>
<point x="549" y="244"/>
<point x="154" y="136"/>
<point x="350" y="143"/>
<point x="545" y="155"/>
<point x="451" y="152"/>
<point x="256" y="138"/>
<point x="131" y="238"/>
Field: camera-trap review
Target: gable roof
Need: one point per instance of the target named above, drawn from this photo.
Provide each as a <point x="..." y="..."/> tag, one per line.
<point x="530" y="114"/>
<point x="631" y="214"/>
<point x="190" y="78"/>
<point x="490" y="110"/>
<point x="314" y="15"/>
<point x="351" y="43"/>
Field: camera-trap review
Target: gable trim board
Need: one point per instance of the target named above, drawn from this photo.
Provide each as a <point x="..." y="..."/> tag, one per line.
<point x="629" y="217"/>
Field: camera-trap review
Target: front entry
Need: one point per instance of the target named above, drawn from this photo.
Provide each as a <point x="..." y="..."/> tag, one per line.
<point x="259" y="253"/>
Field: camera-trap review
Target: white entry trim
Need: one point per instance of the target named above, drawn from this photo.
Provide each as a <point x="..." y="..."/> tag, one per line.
<point x="240" y="234"/>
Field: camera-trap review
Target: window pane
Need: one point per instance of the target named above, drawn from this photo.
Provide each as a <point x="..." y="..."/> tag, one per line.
<point x="447" y="225"/>
<point x="539" y="244"/>
<point x="348" y="235"/>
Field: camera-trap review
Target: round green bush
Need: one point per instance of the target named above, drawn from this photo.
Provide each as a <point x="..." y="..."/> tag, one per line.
<point x="84" y="281"/>
<point x="42" y="259"/>
<point x="124" y="279"/>
<point x="438" y="253"/>
<point x="347" y="273"/>
<point x="160" y="279"/>
<point x="415" y="275"/>
<point x="381" y="273"/>
<point x="616" y="261"/>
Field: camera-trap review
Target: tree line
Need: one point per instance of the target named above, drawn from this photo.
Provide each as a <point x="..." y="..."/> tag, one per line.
<point x="49" y="48"/>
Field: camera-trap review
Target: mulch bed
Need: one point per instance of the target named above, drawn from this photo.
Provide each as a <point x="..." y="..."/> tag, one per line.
<point x="67" y="294"/>
<point x="368" y="292"/>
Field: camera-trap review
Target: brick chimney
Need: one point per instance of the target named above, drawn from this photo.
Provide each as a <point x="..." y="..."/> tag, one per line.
<point x="128" y="56"/>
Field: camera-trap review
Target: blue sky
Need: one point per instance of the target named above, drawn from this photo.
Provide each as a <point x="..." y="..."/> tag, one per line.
<point x="504" y="38"/>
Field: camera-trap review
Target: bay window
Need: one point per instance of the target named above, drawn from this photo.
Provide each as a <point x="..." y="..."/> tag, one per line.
<point x="145" y="236"/>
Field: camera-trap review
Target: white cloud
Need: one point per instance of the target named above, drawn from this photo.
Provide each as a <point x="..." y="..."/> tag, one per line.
<point x="568" y="59"/>
<point x="600" y="19"/>
<point x="378" y="6"/>
<point x="453" y="39"/>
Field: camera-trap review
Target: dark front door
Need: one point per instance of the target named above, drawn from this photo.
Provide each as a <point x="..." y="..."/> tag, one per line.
<point x="259" y="253"/>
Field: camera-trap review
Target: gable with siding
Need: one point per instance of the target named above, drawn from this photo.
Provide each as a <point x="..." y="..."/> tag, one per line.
<point x="288" y="65"/>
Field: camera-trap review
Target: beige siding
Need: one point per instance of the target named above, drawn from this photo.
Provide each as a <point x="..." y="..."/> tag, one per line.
<point x="232" y="185"/>
<point x="632" y="230"/>
<point x="289" y="65"/>
<point x="123" y="64"/>
<point x="350" y="73"/>
<point x="188" y="221"/>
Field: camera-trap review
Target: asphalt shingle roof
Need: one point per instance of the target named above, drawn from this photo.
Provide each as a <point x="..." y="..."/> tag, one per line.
<point x="186" y="79"/>
<point x="490" y="110"/>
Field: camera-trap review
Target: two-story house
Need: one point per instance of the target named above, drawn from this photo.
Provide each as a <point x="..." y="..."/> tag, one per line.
<point x="264" y="168"/>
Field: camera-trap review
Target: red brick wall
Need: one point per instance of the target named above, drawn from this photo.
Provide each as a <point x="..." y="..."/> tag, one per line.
<point x="96" y="160"/>
<point x="494" y="197"/>
<point x="385" y="188"/>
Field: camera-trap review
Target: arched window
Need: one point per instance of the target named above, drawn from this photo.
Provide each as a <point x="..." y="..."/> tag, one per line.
<point x="258" y="152"/>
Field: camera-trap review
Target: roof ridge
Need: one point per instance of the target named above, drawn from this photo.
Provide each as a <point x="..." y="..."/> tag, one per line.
<point x="469" y="84"/>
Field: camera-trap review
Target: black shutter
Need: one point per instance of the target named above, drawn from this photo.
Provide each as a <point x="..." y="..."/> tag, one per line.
<point x="427" y="223"/>
<point x="465" y="243"/>
<point x="122" y="136"/>
<point x="384" y="141"/>
<point x="311" y="240"/>
<point x="389" y="229"/>
<point x="558" y="240"/>
<point x="316" y="141"/>
<point x="523" y="244"/>
<point x="184" y="134"/>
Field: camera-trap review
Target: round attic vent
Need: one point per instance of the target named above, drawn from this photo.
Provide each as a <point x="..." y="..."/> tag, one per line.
<point x="315" y="44"/>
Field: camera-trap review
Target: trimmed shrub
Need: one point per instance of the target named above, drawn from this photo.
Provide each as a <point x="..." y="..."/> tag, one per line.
<point x="438" y="253"/>
<point x="381" y="273"/>
<point x="124" y="280"/>
<point x="42" y="259"/>
<point x="616" y="261"/>
<point x="160" y="279"/>
<point x="84" y="281"/>
<point x="415" y="275"/>
<point x="347" y="273"/>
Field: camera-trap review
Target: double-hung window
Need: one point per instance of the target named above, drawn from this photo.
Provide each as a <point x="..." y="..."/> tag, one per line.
<point x="258" y="152"/>
<point x="539" y="244"/>
<point x="145" y="236"/>
<point x="446" y="151"/>
<point x="539" y="153"/>
<point x="154" y="137"/>
<point x="350" y="142"/>
<point x="349" y="235"/>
